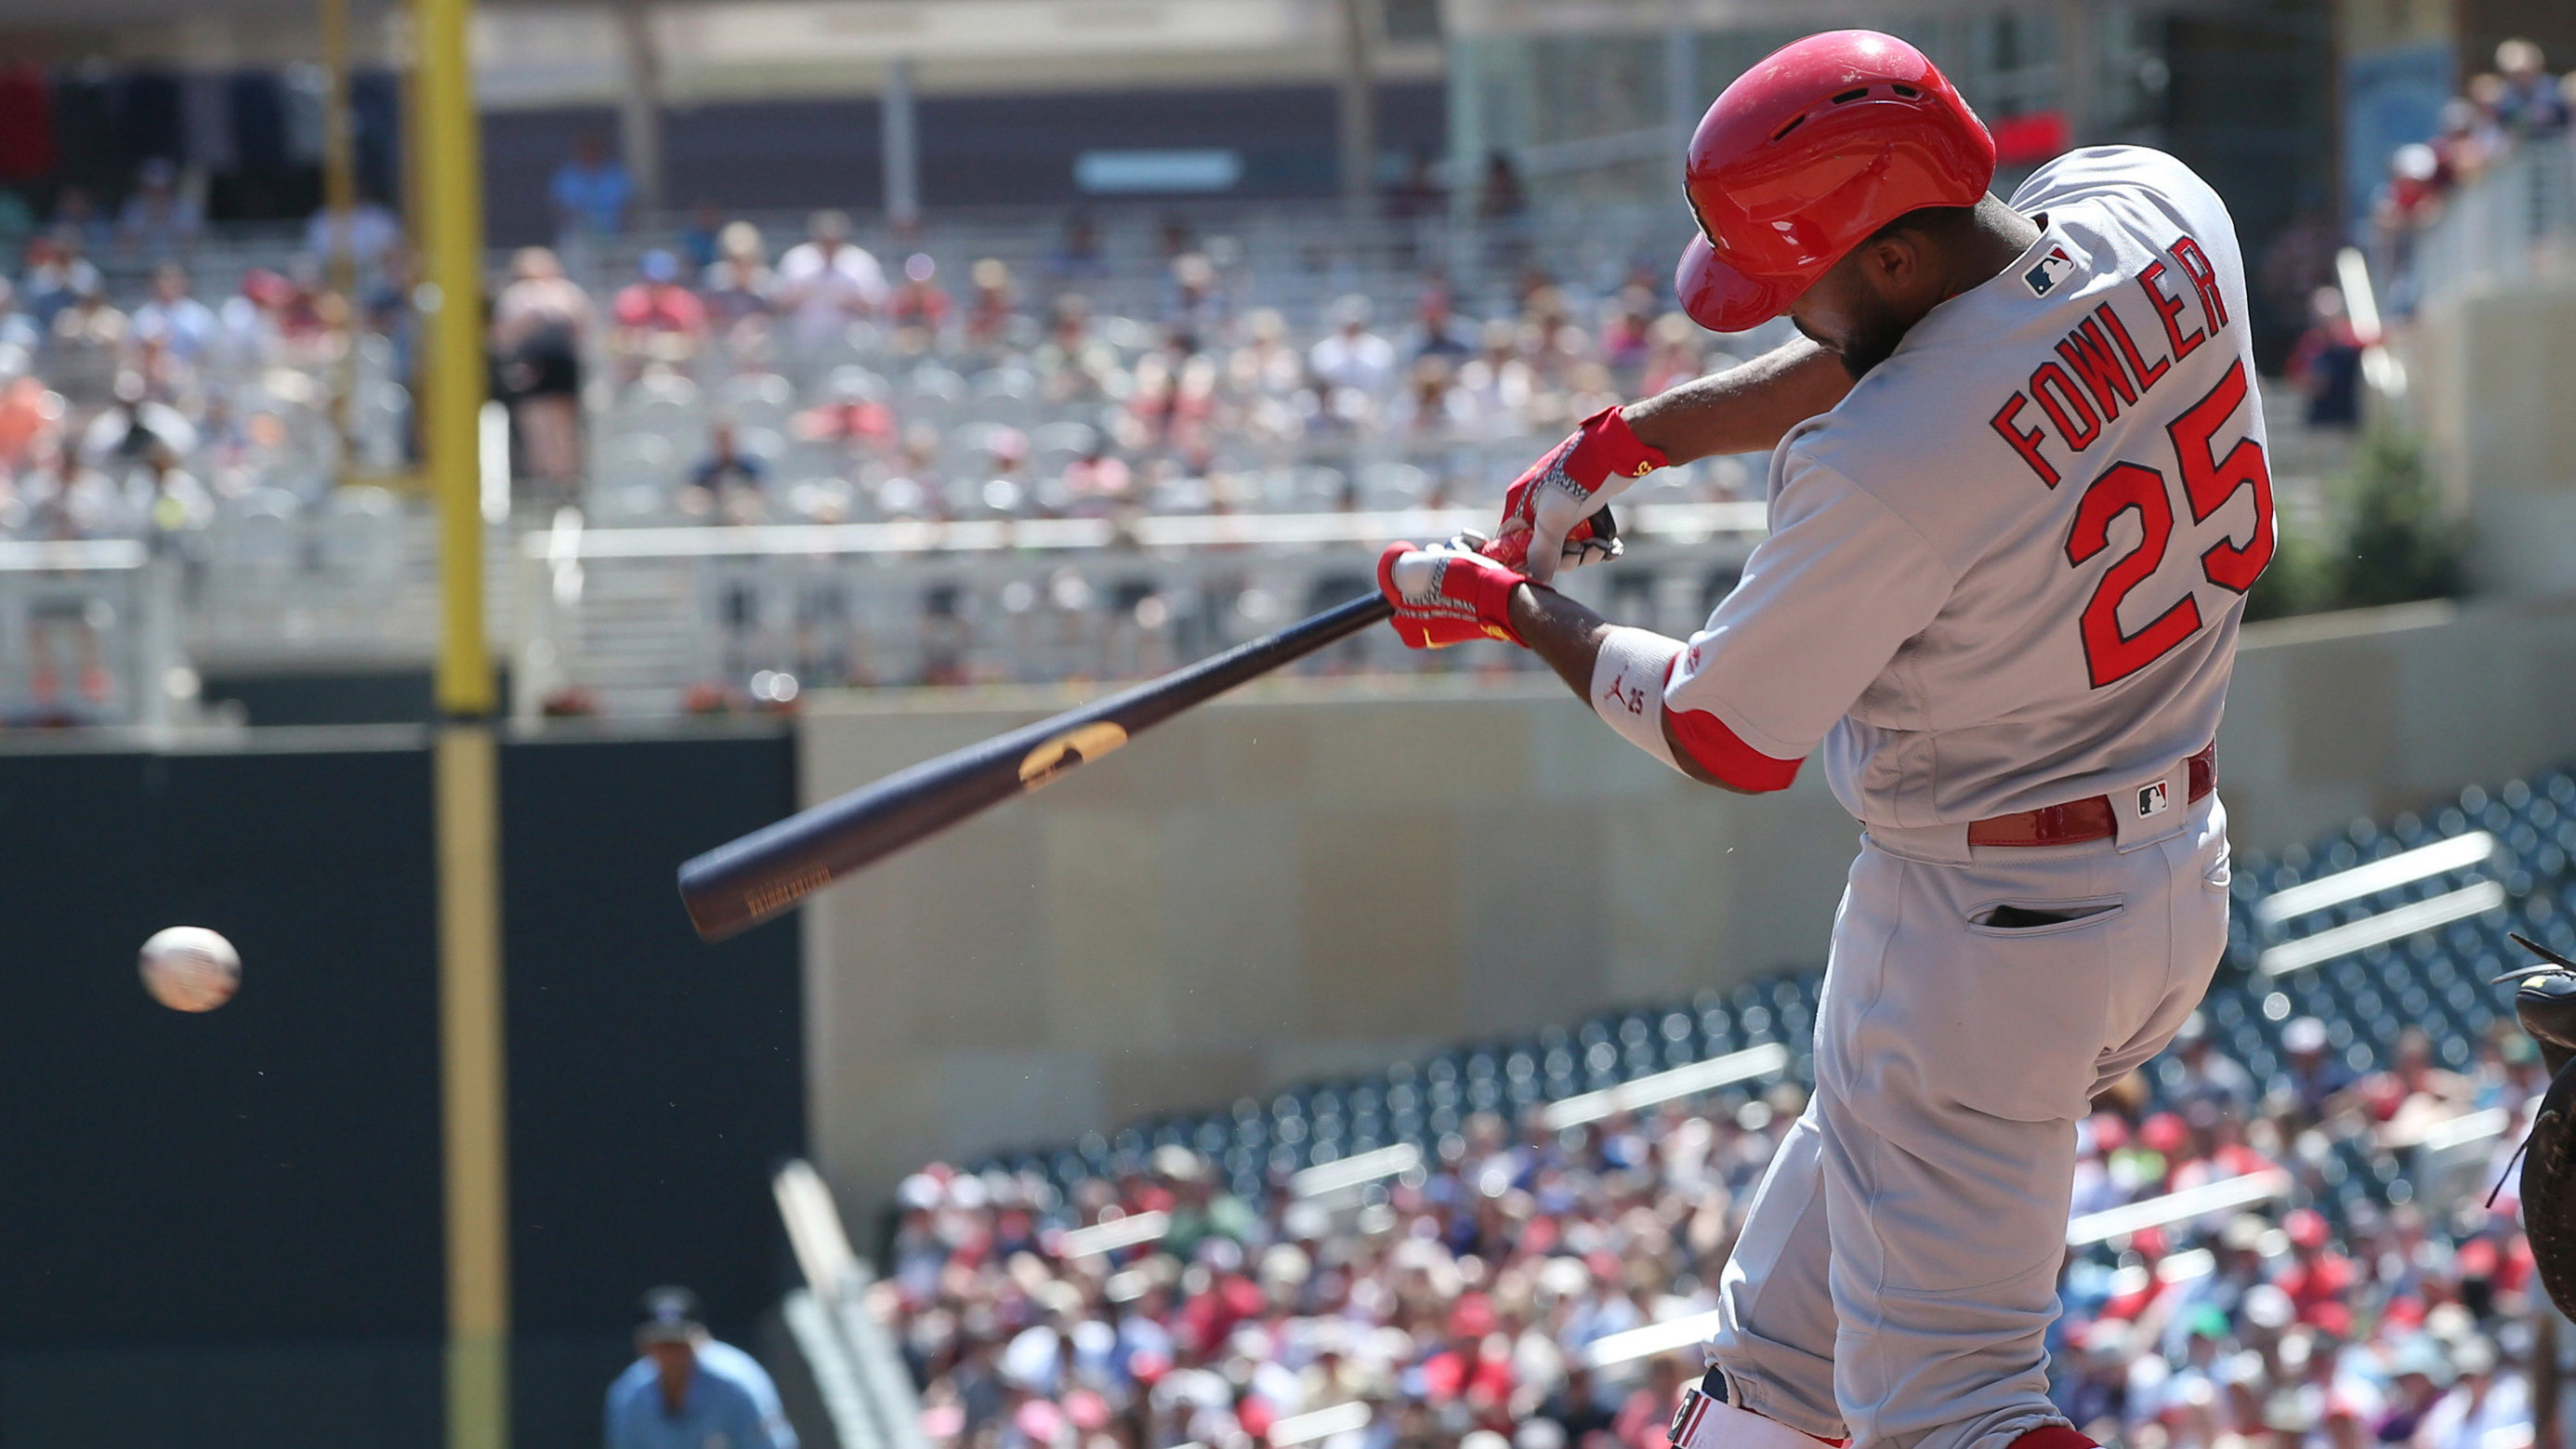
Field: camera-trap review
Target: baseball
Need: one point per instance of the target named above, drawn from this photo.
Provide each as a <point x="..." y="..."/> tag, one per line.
<point x="189" y="968"/>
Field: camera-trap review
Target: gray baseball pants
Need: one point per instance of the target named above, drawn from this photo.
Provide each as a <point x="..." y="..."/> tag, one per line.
<point x="1898" y="1268"/>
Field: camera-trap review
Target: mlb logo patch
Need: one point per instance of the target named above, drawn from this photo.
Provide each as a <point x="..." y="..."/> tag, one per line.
<point x="2153" y="799"/>
<point x="2052" y="269"/>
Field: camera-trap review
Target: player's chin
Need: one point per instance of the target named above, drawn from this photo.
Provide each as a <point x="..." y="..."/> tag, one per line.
<point x="1860" y="355"/>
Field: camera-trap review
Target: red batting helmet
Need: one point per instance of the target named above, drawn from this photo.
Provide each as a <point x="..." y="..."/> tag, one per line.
<point x="1807" y="154"/>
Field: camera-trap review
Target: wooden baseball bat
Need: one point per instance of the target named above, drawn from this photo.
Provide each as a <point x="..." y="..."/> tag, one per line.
<point x="741" y="884"/>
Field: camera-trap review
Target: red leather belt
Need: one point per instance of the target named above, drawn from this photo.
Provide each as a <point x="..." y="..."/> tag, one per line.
<point x="2078" y="821"/>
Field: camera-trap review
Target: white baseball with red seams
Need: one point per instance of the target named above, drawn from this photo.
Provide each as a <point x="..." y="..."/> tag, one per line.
<point x="2005" y="573"/>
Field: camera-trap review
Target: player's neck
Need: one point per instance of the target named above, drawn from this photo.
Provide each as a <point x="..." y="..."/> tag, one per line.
<point x="1997" y="238"/>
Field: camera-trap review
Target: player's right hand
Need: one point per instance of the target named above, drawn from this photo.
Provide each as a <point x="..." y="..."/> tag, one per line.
<point x="1447" y="593"/>
<point x="1576" y="478"/>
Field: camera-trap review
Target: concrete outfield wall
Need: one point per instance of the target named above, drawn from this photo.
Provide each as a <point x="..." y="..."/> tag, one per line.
<point x="2380" y="710"/>
<point x="1313" y="876"/>
<point x="2490" y="371"/>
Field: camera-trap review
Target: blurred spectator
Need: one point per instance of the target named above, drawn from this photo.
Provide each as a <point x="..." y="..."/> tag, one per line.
<point x="19" y="333"/>
<point x="919" y="303"/>
<point x="254" y="321"/>
<point x="2485" y="1406"/>
<point x="989" y="315"/>
<point x="540" y="325"/>
<point x="30" y="419"/>
<point x="372" y="235"/>
<point x="1418" y="195"/>
<point x="1265" y="365"/>
<point x="133" y="426"/>
<point x="2411" y="1094"/>
<point x="2309" y="1078"/>
<point x="1076" y="253"/>
<point x="738" y="283"/>
<point x="2317" y="1278"/>
<point x="727" y="485"/>
<point x="2413" y="193"/>
<point x="700" y="236"/>
<point x="2201" y="1075"/>
<point x="2326" y="365"/>
<point x="1436" y="329"/>
<point x="1502" y="196"/>
<point x="658" y="321"/>
<point x="2530" y="105"/>
<point x="176" y="319"/>
<point x="854" y="415"/>
<point x="56" y="273"/>
<point x="1432" y="405"/>
<point x="687" y="1390"/>
<point x="1194" y="309"/>
<point x="85" y="346"/>
<point x="2467" y="140"/>
<point x="1354" y="366"/>
<point x="1497" y="381"/>
<point x="825" y="282"/>
<point x="590" y="192"/>
<point x="77" y="220"/>
<point x="158" y="219"/>
<point x="1628" y="333"/>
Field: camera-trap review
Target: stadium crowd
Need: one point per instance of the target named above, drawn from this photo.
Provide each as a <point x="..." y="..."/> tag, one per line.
<point x="1467" y="1305"/>
<point x="2495" y="113"/>
<point x="1016" y="396"/>
<point x="729" y="375"/>
<point x="722" y="372"/>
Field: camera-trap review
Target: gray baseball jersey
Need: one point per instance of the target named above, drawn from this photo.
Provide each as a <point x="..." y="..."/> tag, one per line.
<point x="2007" y="570"/>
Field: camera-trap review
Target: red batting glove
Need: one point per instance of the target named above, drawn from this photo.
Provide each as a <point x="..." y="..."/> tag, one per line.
<point x="1447" y="593"/>
<point x="1578" y="476"/>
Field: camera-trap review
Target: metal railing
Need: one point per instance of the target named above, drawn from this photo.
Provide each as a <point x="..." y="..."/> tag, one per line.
<point x="866" y="1391"/>
<point x="86" y="633"/>
<point x="635" y="618"/>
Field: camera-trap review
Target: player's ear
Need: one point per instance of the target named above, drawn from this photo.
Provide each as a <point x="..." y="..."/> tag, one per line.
<point x="1893" y="261"/>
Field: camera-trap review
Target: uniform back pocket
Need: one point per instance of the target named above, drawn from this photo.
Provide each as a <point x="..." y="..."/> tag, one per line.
<point x="2040" y="918"/>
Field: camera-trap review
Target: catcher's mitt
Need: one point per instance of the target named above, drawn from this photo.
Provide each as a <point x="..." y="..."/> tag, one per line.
<point x="2544" y="1000"/>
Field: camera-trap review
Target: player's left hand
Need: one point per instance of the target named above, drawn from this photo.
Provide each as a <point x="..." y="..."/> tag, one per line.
<point x="1447" y="593"/>
<point x="1576" y="479"/>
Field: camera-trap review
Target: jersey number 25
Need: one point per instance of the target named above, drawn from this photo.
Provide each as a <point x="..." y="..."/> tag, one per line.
<point x="2208" y="482"/>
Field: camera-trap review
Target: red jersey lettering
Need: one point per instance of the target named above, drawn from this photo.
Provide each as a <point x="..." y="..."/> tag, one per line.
<point x="2025" y="441"/>
<point x="2065" y="406"/>
<point x="2168" y="308"/>
<point x="2204" y="280"/>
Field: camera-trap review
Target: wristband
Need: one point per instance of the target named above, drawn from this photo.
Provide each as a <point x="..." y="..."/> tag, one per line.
<point x="1622" y="453"/>
<point x="1628" y="687"/>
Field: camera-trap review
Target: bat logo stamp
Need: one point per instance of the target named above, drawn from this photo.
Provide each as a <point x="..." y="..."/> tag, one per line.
<point x="1079" y="745"/>
<point x="769" y="899"/>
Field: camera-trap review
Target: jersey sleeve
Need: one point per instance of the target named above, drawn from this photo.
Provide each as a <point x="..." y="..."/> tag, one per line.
<point x="1825" y="602"/>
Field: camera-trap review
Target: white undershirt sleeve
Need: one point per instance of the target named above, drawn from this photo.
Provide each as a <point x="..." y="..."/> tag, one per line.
<point x="1628" y="687"/>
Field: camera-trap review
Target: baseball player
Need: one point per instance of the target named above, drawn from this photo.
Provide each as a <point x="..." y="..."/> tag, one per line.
<point x="2017" y="495"/>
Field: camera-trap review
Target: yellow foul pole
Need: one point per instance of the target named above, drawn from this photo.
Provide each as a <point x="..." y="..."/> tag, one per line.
<point x="466" y="765"/>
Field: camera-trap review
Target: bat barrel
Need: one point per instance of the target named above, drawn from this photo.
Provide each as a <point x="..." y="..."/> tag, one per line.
<point x="740" y="884"/>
